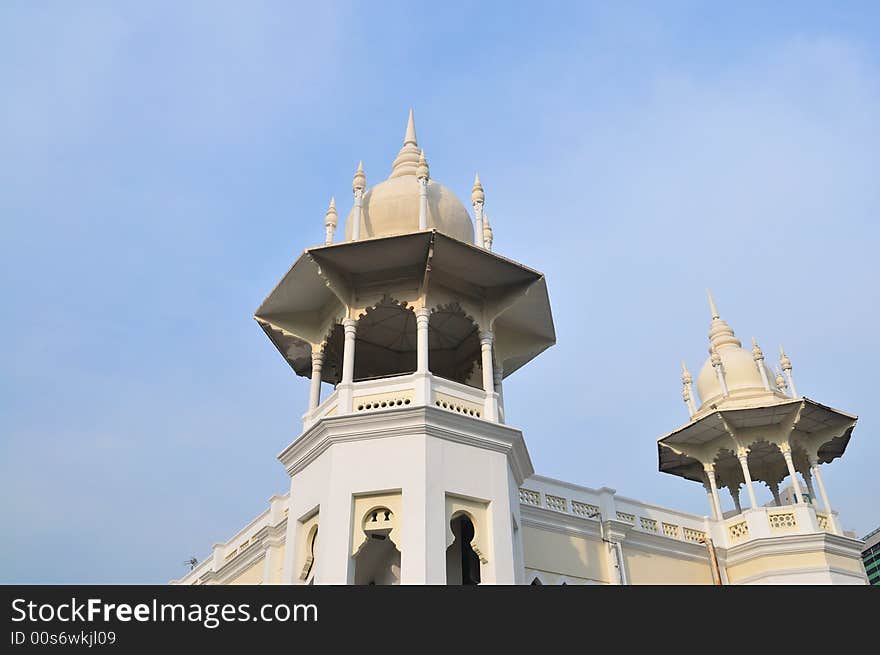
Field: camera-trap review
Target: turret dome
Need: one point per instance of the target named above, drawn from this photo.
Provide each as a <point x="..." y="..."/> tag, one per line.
<point x="392" y="206"/>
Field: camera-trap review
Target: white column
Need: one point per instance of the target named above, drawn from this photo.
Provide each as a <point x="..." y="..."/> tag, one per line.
<point x="490" y="407"/>
<point x="423" y="315"/>
<point x="808" y="478"/>
<point x="758" y="356"/>
<point x="709" y="497"/>
<point x="785" y="362"/>
<point x="709" y="470"/>
<point x="814" y="469"/>
<point x="358" y="207"/>
<point x="743" y="457"/>
<point x="315" y="386"/>
<point x="774" y="489"/>
<point x="478" y="197"/>
<point x="786" y="453"/>
<point x="347" y="382"/>
<point x="499" y="375"/>
<point x="358" y="186"/>
<point x="734" y="493"/>
<point x="423" y="203"/>
<point x="719" y="371"/>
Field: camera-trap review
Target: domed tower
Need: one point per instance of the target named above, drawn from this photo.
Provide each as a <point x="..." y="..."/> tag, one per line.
<point x="751" y="426"/>
<point x="406" y="472"/>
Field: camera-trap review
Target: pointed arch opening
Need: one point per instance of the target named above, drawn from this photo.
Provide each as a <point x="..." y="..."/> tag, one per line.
<point x="462" y="561"/>
<point x="454" y="345"/>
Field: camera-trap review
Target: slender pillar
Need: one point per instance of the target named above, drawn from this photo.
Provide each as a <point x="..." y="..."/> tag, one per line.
<point x="358" y="186"/>
<point x="774" y="489"/>
<point x="330" y="221"/>
<point x="808" y="478"/>
<point x="709" y="470"/>
<point x="422" y="176"/>
<point x="785" y="362"/>
<point x="347" y="382"/>
<point x="758" y="355"/>
<point x="498" y="374"/>
<point x="709" y="497"/>
<point x="687" y="393"/>
<point x="719" y="371"/>
<point x="743" y="457"/>
<point x="423" y="315"/>
<point x="315" y="386"/>
<point x="487" y="232"/>
<point x="478" y="197"/>
<point x="490" y="409"/>
<point x="796" y="485"/>
<point x="734" y="493"/>
<point x="814" y="469"/>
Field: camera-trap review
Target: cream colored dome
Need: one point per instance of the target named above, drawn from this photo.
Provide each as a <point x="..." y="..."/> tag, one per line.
<point x="741" y="375"/>
<point x="392" y="207"/>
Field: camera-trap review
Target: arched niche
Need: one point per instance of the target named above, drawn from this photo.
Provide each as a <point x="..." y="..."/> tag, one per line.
<point x="307" y="538"/>
<point x="375" y="547"/>
<point x="463" y="565"/>
<point x="466" y="539"/>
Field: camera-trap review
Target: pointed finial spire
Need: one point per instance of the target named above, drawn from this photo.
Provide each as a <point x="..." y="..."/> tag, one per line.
<point x="757" y="353"/>
<point x="422" y="170"/>
<point x="330" y="221"/>
<point x="784" y="360"/>
<point x="712" y="305"/>
<point x="720" y="333"/>
<point x="407" y="160"/>
<point x="758" y="356"/>
<point x="477" y="194"/>
<point x="410" y="136"/>
<point x="780" y="381"/>
<point x="487" y="233"/>
<point x="360" y="179"/>
<point x="686" y="377"/>
<point x="332" y="217"/>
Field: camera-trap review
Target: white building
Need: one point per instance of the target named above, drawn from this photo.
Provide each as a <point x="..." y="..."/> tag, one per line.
<point x="407" y="472"/>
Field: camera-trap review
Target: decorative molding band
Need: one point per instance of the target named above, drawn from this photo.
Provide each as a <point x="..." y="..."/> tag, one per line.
<point x="409" y="421"/>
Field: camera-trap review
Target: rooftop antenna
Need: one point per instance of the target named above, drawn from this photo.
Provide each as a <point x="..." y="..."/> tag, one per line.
<point x="192" y="561"/>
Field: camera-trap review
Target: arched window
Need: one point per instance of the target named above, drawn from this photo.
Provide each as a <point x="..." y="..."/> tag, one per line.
<point x="378" y="560"/>
<point x="462" y="562"/>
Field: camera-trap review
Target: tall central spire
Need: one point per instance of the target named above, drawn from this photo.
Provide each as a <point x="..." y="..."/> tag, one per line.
<point x="720" y="333"/>
<point x="407" y="160"/>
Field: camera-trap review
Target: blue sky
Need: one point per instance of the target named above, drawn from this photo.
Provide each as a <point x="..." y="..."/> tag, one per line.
<point x="163" y="164"/>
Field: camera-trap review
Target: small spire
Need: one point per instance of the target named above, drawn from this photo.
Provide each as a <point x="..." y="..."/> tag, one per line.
<point x="360" y="179"/>
<point x="686" y="377"/>
<point x="407" y="160"/>
<point x="410" y="136"/>
<point x="712" y="305"/>
<point x="422" y="170"/>
<point x="487" y="233"/>
<point x="757" y="353"/>
<point x="331" y="217"/>
<point x="477" y="194"/>
<point x="780" y="381"/>
<point x="716" y="358"/>
<point x="784" y="360"/>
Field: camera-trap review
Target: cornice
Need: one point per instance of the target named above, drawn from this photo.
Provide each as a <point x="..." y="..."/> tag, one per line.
<point x="788" y="544"/>
<point x="409" y="421"/>
<point x="802" y="569"/>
